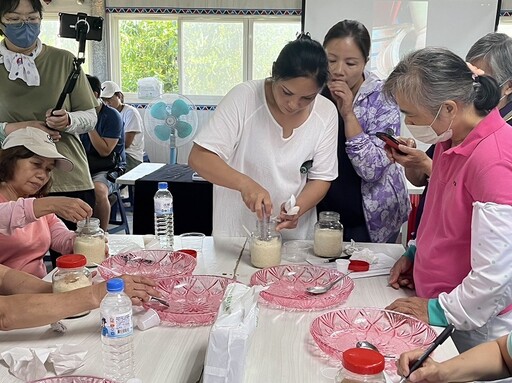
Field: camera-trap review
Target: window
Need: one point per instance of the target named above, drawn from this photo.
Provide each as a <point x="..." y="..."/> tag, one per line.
<point x="201" y="57"/>
<point x="505" y="25"/>
<point x="269" y="39"/>
<point x="148" y="48"/>
<point x="212" y="57"/>
<point x="50" y="36"/>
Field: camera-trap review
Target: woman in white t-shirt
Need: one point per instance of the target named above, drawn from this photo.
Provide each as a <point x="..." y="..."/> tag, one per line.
<point x="269" y="139"/>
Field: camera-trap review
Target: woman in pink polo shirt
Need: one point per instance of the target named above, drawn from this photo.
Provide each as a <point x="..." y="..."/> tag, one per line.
<point x="462" y="269"/>
<point x="28" y="224"/>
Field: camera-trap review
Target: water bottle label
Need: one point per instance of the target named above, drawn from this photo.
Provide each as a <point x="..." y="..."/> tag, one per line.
<point x="163" y="207"/>
<point x="117" y="326"/>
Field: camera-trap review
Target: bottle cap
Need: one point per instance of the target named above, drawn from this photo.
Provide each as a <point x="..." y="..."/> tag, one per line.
<point x="357" y="265"/>
<point x="162" y="185"/>
<point x="115" y="285"/>
<point x="363" y="361"/>
<point x="71" y="261"/>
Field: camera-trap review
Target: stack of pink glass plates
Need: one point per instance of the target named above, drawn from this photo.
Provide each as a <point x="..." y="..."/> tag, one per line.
<point x="155" y="264"/>
<point x="73" y="379"/>
<point x="391" y="332"/>
<point x="193" y="300"/>
<point x="287" y="286"/>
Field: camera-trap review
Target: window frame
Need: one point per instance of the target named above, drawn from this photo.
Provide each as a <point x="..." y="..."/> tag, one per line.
<point x="114" y="65"/>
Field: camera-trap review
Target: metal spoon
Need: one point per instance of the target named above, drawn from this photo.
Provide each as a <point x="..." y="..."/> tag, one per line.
<point x="323" y="289"/>
<point x="370" y="346"/>
<point x="160" y="300"/>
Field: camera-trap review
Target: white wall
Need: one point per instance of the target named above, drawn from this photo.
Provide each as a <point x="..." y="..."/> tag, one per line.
<point x="398" y="27"/>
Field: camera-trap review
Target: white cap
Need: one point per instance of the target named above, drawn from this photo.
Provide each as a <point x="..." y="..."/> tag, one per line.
<point x="40" y="143"/>
<point x="108" y="88"/>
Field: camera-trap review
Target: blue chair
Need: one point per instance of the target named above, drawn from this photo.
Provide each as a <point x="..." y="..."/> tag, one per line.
<point x="118" y="207"/>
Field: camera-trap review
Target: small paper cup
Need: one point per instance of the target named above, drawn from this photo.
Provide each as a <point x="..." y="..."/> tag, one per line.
<point x="149" y="319"/>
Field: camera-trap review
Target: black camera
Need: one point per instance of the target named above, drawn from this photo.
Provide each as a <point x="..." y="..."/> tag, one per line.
<point x="112" y="175"/>
<point x="72" y="26"/>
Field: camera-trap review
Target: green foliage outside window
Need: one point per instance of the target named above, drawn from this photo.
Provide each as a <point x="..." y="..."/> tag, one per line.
<point x="149" y="49"/>
<point x="269" y="39"/>
<point x="212" y="57"/>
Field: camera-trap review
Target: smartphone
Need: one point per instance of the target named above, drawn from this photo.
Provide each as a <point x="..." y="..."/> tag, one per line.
<point x="390" y="140"/>
<point x="69" y="22"/>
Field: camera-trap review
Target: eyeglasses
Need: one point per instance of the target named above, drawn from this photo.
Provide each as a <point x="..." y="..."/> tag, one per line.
<point x="18" y="20"/>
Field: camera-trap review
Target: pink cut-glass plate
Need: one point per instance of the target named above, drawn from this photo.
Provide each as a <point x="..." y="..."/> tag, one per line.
<point x="287" y="286"/>
<point x="193" y="299"/>
<point x="73" y="379"/>
<point x="391" y="332"/>
<point x="154" y="264"/>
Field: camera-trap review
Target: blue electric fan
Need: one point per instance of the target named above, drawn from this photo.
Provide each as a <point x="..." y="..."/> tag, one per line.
<point x="171" y="119"/>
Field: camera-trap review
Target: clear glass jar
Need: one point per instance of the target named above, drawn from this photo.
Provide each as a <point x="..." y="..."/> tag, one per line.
<point x="266" y="245"/>
<point x="71" y="274"/>
<point x="361" y="365"/>
<point x="90" y="241"/>
<point x="328" y="241"/>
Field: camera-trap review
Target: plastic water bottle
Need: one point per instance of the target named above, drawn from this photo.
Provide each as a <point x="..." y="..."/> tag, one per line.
<point x="164" y="216"/>
<point x="117" y="332"/>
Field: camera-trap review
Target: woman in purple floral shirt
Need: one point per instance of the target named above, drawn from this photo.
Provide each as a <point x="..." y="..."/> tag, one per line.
<point x="370" y="191"/>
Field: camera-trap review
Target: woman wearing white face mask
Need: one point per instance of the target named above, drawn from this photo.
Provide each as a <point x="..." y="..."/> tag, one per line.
<point x="491" y="53"/>
<point x="461" y="269"/>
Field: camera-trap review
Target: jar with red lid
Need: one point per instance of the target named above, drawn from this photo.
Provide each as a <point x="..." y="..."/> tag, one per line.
<point x="71" y="274"/>
<point x="361" y="365"/>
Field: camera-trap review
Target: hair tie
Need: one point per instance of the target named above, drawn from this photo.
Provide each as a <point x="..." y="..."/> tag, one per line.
<point x="303" y="35"/>
<point x="476" y="72"/>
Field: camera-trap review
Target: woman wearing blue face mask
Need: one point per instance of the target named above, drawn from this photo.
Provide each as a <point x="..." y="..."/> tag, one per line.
<point x="32" y="77"/>
<point x="461" y="269"/>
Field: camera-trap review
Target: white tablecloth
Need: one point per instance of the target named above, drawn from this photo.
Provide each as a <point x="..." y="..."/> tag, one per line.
<point x="282" y="350"/>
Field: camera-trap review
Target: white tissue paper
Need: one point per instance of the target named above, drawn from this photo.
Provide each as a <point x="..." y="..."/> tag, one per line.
<point x="26" y="363"/>
<point x="289" y="206"/>
<point x="59" y="327"/>
<point x="380" y="263"/>
<point x="366" y="255"/>
<point x="67" y="358"/>
<point x="230" y="335"/>
<point x="29" y="363"/>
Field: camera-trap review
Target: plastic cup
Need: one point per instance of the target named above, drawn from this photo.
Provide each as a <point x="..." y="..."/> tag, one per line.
<point x="150" y="241"/>
<point x="192" y="241"/>
<point x="296" y="251"/>
<point x="342" y="265"/>
<point x="147" y="320"/>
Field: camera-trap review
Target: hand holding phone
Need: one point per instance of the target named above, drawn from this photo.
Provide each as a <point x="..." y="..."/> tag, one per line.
<point x="390" y="141"/>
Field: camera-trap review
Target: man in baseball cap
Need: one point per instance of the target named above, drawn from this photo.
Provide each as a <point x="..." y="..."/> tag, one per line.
<point x="40" y="143"/>
<point x="109" y="88"/>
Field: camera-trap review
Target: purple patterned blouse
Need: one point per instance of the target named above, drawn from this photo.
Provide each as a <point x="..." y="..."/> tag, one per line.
<point x="385" y="200"/>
